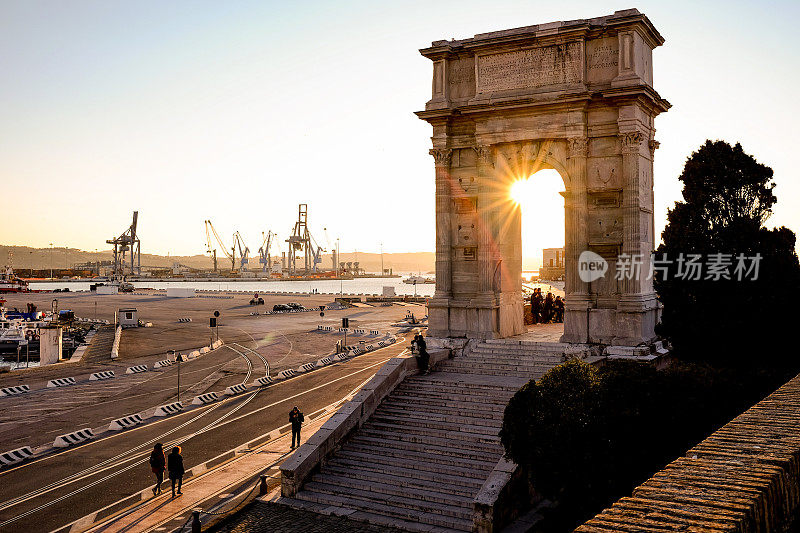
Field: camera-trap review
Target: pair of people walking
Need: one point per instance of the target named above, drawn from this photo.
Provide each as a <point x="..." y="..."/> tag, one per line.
<point x="173" y="464"/>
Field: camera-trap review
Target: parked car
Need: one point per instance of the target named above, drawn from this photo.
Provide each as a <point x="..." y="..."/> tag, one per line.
<point x="295" y="305"/>
<point x="281" y="307"/>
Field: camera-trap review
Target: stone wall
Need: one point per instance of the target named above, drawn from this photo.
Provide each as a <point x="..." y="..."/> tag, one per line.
<point x="745" y="478"/>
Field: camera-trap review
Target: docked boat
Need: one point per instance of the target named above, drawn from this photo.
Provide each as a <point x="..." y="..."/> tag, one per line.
<point x="417" y="280"/>
<point x="11" y="283"/>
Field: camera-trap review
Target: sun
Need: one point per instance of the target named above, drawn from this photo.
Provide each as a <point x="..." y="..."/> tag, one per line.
<point x="520" y="191"/>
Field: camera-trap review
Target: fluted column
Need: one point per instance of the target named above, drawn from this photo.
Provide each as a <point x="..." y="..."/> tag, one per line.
<point x="577" y="233"/>
<point x="631" y="204"/>
<point x="444" y="280"/>
<point x="485" y="165"/>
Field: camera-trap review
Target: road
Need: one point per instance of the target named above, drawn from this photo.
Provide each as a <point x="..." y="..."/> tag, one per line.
<point x="48" y="493"/>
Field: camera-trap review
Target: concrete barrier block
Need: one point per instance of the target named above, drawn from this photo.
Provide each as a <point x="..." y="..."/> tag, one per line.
<point x="16" y="456"/>
<point x="61" y="382"/>
<point x="76" y="437"/>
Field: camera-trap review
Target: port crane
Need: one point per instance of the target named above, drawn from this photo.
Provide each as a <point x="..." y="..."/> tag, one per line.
<point x="244" y="251"/>
<point x="127" y="242"/>
<point x="210" y="249"/>
<point x="301" y="241"/>
<point x="264" y="257"/>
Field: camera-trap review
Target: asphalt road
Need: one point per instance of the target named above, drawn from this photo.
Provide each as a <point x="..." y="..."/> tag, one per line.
<point x="48" y="493"/>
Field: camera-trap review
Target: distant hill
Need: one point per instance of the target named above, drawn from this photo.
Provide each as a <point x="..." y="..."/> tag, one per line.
<point x="44" y="258"/>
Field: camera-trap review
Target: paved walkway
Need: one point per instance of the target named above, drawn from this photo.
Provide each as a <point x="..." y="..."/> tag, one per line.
<point x="542" y="333"/>
<point x="267" y="517"/>
<point x="163" y="510"/>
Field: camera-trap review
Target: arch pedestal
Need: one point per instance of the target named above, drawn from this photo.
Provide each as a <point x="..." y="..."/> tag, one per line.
<point x="576" y="97"/>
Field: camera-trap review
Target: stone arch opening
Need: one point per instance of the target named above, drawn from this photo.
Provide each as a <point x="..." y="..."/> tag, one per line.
<point x="576" y="97"/>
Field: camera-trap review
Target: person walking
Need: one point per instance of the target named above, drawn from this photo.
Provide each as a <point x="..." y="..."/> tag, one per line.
<point x="297" y="419"/>
<point x="158" y="463"/>
<point x="175" y="467"/>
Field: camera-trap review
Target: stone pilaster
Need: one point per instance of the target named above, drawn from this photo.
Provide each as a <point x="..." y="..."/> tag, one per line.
<point x="485" y="166"/>
<point x="577" y="240"/>
<point x="444" y="289"/>
<point x="631" y="205"/>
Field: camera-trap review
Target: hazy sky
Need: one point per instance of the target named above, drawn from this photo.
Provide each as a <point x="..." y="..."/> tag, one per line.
<point x="238" y="111"/>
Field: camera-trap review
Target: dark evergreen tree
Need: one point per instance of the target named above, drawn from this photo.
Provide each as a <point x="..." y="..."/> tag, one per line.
<point x="727" y="198"/>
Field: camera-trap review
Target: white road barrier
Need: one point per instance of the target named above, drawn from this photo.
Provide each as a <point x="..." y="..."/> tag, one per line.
<point x="263" y="382"/>
<point x="168" y="409"/>
<point x="216" y="344"/>
<point x="184" y="320"/>
<point x="16" y="456"/>
<point x="76" y="437"/>
<point x="194" y="354"/>
<point x="136" y="369"/>
<point x="205" y="398"/>
<point x="236" y="389"/>
<point x="374" y="332"/>
<point x="205" y="349"/>
<point x="340" y="357"/>
<point x="164" y="363"/>
<point x="61" y="382"/>
<point x="359" y="331"/>
<point x="13" y="391"/>
<point x="98" y="376"/>
<point x="306" y="368"/>
<point x="285" y="374"/>
<point x="324" y="362"/>
<point x="125" y="422"/>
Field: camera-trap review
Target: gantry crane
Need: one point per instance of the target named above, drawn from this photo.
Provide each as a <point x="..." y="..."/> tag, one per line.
<point x="264" y="257"/>
<point x="301" y="241"/>
<point x="223" y="247"/>
<point x="128" y="241"/>
<point x="244" y="251"/>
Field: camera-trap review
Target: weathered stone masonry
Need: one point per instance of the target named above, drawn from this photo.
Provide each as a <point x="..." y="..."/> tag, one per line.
<point x="743" y="478"/>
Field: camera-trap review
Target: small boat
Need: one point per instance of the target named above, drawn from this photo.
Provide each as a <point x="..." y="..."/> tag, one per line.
<point x="417" y="280"/>
<point x="11" y="283"/>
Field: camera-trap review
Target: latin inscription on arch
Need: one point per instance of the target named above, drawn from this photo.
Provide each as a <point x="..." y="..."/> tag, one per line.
<point x="532" y="68"/>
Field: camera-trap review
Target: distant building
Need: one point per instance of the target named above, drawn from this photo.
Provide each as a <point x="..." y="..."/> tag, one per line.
<point x="552" y="264"/>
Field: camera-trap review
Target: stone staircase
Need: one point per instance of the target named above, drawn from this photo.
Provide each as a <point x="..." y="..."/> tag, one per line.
<point x="421" y="458"/>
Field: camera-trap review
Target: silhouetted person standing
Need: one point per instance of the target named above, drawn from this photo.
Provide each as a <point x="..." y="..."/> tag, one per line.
<point x="547" y="308"/>
<point x="423" y="357"/>
<point x="536" y="305"/>
<point x="175" y="468"/>
<point x="558" y="306"/>
<point x="158" y="463"/>
<point x="297" y="419"/>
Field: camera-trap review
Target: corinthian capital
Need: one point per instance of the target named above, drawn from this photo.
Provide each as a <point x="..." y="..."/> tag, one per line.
<point x="441" y="156"/>
<point x="578" y="146"/>
<point x="654" y="144"/>
<point x="484" y="153"/>
<point x="631" y="141"/>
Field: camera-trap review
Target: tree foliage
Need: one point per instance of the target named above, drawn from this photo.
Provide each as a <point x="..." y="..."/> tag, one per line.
<point x="727" y="198"/>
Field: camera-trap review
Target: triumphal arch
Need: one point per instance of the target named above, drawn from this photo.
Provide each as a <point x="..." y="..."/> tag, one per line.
<point x="574" y="96"/>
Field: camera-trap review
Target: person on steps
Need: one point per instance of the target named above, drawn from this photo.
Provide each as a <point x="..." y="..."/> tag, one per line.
<point x="423" y="357"/>
<point x="158" y="463"/>
<point x="297" y="419"/>
<point x="175" y="467"/>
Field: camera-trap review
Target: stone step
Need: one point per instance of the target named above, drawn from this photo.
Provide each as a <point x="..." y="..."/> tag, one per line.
<point x="444" y="423"/>
<point x="428" y="516"/>
<point x="490" y="364"/>
<point x="496" y="401"/>
<point x="438" y="405"/>
<point x="365" y="516"/>
<point x="346" y="485"/>
<point x="388" y="464"/>
<point x="451" y="414"/>
<point x="528" y="374"/>
<point x="467" y="381"/>
<point x="422" y="444"/>
<point x="405" y="502"/>
<point x="443" y="462"/>
<point x="414" y="478"/>
<point x="399" y="430"/>
<point x="483" y="393"/>
<point x="503" y="354"/>
<point x="553" y="347"/>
